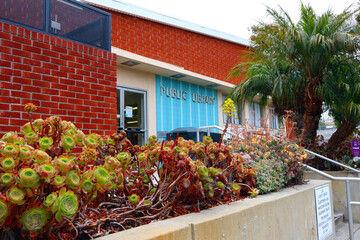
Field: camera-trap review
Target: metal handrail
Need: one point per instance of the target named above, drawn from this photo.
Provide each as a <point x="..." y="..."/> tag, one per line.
<point x="208" y="131"/>
<point x="348" y="191"/>
<point x="333" y="161"/>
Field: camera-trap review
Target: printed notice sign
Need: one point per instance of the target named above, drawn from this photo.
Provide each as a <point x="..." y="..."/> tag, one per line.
<point x="355" y="148"/>
<point x="323" y="212"/>
<point x="128" y="112"/>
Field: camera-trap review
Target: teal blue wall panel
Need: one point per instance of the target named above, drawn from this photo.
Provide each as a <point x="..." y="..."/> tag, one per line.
<point x="183" y="104"/>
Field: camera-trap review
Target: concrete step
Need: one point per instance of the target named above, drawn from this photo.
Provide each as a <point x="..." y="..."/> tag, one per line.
<point x="342" y="231"/>
<point x="338" y="218"/>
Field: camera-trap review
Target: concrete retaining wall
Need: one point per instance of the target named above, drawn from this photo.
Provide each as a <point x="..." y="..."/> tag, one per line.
<point x="286" y="214"/>
<point x="339" y="192"/>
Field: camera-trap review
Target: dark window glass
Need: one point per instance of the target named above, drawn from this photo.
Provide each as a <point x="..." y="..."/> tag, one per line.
<point x="26" y="12"/>
<point x="73" y="21"/>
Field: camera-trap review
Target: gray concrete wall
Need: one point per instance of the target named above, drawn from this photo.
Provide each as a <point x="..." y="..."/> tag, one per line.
<point x="287" y="214"/>
<point x="339" y="191"/>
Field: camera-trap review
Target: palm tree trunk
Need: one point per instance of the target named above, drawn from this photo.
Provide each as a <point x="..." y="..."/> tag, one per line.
<point x="313" y="110"/>
<point x="341" y="134"/>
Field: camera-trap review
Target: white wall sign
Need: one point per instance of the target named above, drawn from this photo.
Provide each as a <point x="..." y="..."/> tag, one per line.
<point x="323" y="212"/>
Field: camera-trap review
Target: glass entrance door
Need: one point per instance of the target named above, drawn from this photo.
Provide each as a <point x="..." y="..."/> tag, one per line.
<point x="132" y="114"/>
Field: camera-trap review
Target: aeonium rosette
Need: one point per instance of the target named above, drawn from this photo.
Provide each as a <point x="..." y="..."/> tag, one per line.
<point x="7" y="179"/>
<point x="73" y="179"/>
<point x="16" y="195"/>
<point x="46" y="143"/>
<point x="66" y="204"/>
<point x="9" y="137"/>
<point x="40" y="156"/>
<point x="27" y="177"/>
<point x="67" y="142"/>
<point x="34" y="219"/>
<point x="4" y="211"/>
<point x="10" y="150"/>
<point x="63" y="162"/>
<point x="8" y="163"/>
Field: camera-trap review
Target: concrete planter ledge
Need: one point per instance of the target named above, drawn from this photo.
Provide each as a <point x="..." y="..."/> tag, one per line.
<point x="287" y="214"/>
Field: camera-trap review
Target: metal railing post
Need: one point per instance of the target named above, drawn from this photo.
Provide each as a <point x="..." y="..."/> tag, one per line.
<point x="348" y="198"/>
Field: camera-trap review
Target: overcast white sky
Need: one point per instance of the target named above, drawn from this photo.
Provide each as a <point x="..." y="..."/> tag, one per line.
<point x="233" y="16"/>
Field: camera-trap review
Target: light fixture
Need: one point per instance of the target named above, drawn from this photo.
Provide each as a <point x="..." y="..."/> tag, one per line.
<point x="178" y="75"/>
<point x="130" y="63"/>
<point x="213" y="85"/>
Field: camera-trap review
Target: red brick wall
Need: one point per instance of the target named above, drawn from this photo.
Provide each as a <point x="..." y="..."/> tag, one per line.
<point x="61" y="77"/>
<point x="195" y="52"/>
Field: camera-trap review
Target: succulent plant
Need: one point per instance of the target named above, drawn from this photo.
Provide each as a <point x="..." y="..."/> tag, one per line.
<point x="9" y="137"/>
<point x="8" y="164"/>
<point x="50" y="200"/>
<point x="34" y="219"/>
<point x="10" y="150"/>
<point x="24" y="153"/>
<point x="87" y="186"/>
<point x="16" y="195"/>
<point x="66" y="204"/>
<point x="7" y="179"/>
<point x="72" y="179"/>
<point x="40" y="156"/>
<point x="134" y="199"/>
<point x="101" y="175"/>
<point x="90" y="141"/>
<point x="67" y="142"/>
<point x="28" y="177"/>
<point x="4" y="211"/>
<point x="45" y="143"/>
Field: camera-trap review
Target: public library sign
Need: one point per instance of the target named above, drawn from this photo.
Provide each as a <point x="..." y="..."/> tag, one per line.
<point x="184" y="95"/>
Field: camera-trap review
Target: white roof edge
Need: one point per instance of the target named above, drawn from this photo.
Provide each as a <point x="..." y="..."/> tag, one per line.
<point x="120" y="6"/>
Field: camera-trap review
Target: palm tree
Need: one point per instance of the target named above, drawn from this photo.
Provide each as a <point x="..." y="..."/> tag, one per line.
<point x="308" y="47"/>
<point x="278" y="83"/>
<point x="341" y="92"/>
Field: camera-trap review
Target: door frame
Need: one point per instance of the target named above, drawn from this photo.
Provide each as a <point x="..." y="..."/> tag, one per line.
<point x="121" y="89"/>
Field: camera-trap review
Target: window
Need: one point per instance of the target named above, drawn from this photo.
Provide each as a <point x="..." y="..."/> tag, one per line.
<point x="274" y="119"/>
<point x="65" y="18"/>
<point x="255" y="114"/>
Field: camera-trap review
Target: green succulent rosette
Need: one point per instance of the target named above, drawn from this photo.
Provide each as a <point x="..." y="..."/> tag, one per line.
<point x="31" y="137"/>
<point x="7" y="179"/>
<point x="58" y="181"/>
<point x="101" y="175"/>
<point x="79" y="138"/>
<point x="26" y="128"/>
<point x="28" y="177"/>
<point x="9" y="137"/>
<point x="24" y="153"/>
<point x="50" y="200"/>
<point x="16" y="195"/>
<point x="203" y="172"/>
<point x="67" y="142"/>
<point x="63" y="162"/>
<point x="34" y="219"/>
<point x="134" y="199"/>
<point x="4" y="211"/>
<point x="219" y="184"/>
<point x="10" y="150"/>
<point x="87" y="186"/>
<point x="19" y="142"/>
<point x="8" y="164"/>
<point x="111" y="163"/>
<point x="72" y="179"/>
<point x="235" y="188"/>
<point x="38" y="124"/>
<point x="90" y="141"/>
<point x="71" y="132"/>
<point x="124" y="158"/>
<point x="46" y="143"/>
<point x="47" y="171"/>
<point x="66" y="204"/>
<point x="40" y="156"/>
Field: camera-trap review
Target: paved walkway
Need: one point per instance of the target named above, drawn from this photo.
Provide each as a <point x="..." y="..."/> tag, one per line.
<point x="342" y="231"/>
